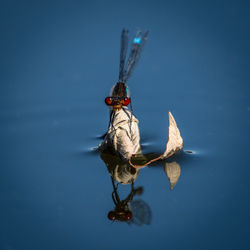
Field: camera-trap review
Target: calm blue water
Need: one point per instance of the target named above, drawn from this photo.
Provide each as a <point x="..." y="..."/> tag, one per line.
<point x="58" y="62"/>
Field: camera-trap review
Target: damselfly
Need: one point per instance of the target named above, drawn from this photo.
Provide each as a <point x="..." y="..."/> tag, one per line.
<point x="123" y="135"/>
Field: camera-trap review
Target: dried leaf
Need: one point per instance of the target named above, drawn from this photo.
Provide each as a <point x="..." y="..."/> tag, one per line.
<point x="175" y="141"/>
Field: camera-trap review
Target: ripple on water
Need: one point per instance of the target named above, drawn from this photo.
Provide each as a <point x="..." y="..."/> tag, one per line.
<point x="194" y="151"/>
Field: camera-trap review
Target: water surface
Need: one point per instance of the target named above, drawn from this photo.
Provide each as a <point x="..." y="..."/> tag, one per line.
<point x="59" y="61"/>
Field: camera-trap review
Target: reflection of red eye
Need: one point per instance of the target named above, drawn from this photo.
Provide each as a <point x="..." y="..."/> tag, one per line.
<point x="125" y="101"/>
<point x="111" y="215"/>
<point x="108" y="101"/>
<point x="129" y="215"/>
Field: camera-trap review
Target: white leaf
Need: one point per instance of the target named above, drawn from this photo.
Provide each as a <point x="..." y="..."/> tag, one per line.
<point x="175" y="141"/>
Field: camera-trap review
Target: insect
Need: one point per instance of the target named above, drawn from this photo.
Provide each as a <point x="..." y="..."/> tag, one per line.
<point x="123" y="137"/>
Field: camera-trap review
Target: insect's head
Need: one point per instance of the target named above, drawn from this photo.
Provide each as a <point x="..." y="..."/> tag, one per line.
<point x="119" y="96"/>
<point x="120" y="215"/>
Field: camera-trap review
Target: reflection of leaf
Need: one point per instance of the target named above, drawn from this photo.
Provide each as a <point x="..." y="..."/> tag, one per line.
<point x="175" y="141"/>
<point x="139" y="159"/>
<point x="142" y="159"/>
<point x="125" y="174"/>
<point x="173" y="171"/>
<point x="118" y="169"/>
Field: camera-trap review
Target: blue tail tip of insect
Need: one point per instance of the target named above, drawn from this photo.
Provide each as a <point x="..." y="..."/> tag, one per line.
<point x="137" y="40"/>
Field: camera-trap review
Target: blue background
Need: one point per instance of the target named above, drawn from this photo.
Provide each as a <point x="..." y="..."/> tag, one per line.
<point x="59" y="60"/>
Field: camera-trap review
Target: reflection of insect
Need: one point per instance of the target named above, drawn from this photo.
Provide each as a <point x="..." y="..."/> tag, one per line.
<point x="136" y="212"/>
<point x="122" y="211"/>
<point x="127" y="210"/>
<point x="141" y="212"/>
<point x="123" y="135"/>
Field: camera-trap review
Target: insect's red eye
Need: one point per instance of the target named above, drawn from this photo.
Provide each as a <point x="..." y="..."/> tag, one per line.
<point x="129" y="215"/>
<point x="111" y="215"/>
<point x="125" y="101"/>
<point x="108" y="101"/>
